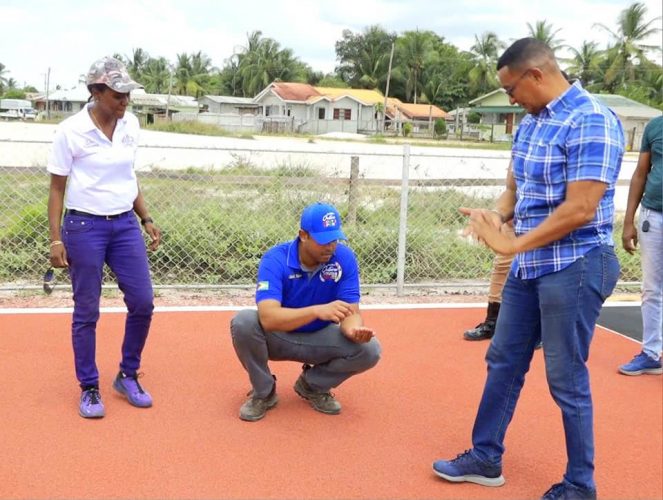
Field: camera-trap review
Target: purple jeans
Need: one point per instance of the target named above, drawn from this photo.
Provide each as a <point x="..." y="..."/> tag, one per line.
<point x="90" y="242"/>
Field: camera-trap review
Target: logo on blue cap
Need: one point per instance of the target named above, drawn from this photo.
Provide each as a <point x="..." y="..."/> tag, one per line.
<point x="323" y="223"/>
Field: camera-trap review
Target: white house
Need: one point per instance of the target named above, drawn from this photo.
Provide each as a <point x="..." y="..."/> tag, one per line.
<point x="301" y="107"/>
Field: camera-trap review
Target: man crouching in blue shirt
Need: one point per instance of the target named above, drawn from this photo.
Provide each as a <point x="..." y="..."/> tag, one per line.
<point x="308" y="311"/>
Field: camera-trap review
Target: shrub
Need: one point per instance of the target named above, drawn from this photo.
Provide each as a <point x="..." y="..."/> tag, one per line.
<point x="407" y="129"/>
<point x="440" y="127"/>
<point x="473" y="117"/>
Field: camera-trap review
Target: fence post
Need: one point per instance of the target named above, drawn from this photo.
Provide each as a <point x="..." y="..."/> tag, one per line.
<point x="402" y="222"/>
<point x="353" y="190"/>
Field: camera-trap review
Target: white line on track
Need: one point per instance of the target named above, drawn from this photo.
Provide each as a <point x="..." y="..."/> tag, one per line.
<point x="364" y="307"/>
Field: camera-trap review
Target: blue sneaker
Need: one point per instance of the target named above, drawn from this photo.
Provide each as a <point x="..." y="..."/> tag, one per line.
<point x="91" y="405"/>
<point x="128" y="386"/>
<point x="467" y="468"/>
<point x="640" y="364"/>
<point x="566" y="491"/>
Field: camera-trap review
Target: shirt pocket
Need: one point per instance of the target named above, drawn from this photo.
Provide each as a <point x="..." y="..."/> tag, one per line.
<point x="545" y="163"/>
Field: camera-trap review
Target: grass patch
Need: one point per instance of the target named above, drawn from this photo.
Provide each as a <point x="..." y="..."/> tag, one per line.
<point x="196" y="128"/>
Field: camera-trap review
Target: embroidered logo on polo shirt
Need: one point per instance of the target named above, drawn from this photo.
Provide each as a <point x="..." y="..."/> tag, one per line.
<point x="128" y="140"/>
<point x="262" y="286"/>
<point x="331" y="272"/>
<point x="295" y="276"/>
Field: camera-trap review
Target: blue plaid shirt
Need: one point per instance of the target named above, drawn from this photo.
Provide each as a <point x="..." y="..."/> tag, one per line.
<point x="574" y="138"/>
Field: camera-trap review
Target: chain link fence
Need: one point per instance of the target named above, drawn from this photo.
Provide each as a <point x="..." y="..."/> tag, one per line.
<point x="399" y="207"/>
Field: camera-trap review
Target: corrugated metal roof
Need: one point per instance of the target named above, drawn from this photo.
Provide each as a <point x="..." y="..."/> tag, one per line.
<point x="421" y="111"/>
<point x="226" y="99"/>
<point x="627" y="108"/>
<point x="364" y="95"/>
<point x="292" y="91"/>
<point x="76" y="94"/>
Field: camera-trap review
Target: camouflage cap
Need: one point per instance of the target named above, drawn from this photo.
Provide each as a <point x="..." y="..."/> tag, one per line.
<point x="112" y="73"/>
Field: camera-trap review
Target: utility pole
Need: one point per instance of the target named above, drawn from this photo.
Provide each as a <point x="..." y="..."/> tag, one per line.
<point x="170" y="89"/>
<point x="386" y="93"/>
<point x="48" y="84"/>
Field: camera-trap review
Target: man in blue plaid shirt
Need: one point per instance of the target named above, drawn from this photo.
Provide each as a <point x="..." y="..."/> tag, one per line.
<point x="565" y="161"/>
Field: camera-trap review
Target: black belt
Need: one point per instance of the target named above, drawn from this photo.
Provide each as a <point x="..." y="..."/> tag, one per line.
<point x="79" y="213"/>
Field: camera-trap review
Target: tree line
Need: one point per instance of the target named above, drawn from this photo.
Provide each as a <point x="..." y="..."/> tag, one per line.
<point x="425" y="67"/>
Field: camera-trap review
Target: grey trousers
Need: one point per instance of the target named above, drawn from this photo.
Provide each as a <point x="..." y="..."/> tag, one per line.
<point x="334" y="358"/>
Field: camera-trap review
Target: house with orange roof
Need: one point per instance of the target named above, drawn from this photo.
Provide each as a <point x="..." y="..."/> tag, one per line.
<point x="422" y="116"/>
<point x="301" y="107"/>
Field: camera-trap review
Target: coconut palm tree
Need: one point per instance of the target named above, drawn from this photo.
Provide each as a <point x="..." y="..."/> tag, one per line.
<point x="485" y="50"/>
<point x="629" y="49"/>
<point x="544" y="32"/>
<point x="364" y="57"/>
<point x="136" y="63"/>
<point x="262" y="61"/>
<point x="3" y="77"/>
<point x="415" y="52"/>
<point x="192" y="74"/>
<point x="156" y="75"/>
<point x="585" y="63"/>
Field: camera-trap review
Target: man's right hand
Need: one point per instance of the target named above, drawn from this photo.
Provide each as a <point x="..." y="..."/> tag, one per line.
<point x="335" y="311"/>
<point x="629" y="237"/>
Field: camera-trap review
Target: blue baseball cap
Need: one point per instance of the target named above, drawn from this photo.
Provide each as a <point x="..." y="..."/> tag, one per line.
<point x="322" y="222"/>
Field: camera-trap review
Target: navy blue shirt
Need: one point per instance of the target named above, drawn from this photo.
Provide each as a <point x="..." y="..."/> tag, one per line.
<point x="281" y="278"/>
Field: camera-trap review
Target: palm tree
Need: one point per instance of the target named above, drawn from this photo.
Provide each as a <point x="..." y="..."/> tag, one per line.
<point x="544" y="32"/>
<point x="136" y="63"/>
<point x="585" y="63"/>
<point x="485" y="49"/>
<point x="415" y="53"/>
<point x="629" y="49"/>
<point x="3" y="78"/>
<point x="156" y="75"/>
<point x="262" y="61"/>
<point x="192" y="73"/>
<point x="364" y="58"/>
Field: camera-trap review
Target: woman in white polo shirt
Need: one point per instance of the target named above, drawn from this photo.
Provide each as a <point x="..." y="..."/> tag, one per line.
<point x="93" y="179"/>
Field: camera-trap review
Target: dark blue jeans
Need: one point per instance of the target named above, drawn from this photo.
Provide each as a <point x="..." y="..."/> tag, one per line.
<point x="561" y="309"/>
<point x="90" y="242"/>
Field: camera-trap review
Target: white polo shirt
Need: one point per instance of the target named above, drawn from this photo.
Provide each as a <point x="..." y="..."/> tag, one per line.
<point x="102" y="179"/>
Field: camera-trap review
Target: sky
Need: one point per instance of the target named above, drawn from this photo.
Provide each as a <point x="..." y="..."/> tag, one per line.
<point x="67" y="36"/>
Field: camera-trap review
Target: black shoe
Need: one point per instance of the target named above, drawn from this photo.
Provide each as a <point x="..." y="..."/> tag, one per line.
<point x="482" y="331"/>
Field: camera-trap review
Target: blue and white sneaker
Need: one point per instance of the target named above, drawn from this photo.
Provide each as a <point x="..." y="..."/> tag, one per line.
<point x="640" y="364"/>
<point x="467" y="468"/>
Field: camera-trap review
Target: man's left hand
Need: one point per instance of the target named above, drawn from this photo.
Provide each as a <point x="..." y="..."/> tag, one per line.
<point x="482" y="226"/>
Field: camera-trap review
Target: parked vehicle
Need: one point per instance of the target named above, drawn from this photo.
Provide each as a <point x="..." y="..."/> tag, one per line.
<point x="17" y="109"/>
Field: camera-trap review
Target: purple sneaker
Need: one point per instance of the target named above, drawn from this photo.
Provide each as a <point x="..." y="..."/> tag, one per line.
<point x="91" y="405"/>
<point x="128" y="386"/>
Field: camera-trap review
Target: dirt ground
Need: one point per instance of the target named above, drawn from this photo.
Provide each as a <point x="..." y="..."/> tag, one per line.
<point x="245" y="297"/>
